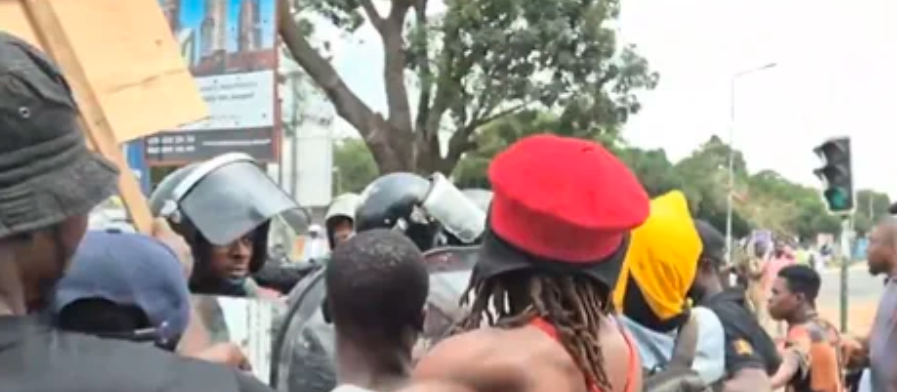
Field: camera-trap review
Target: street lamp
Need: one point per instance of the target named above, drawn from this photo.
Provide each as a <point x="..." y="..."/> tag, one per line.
<point x="731" y="193"/>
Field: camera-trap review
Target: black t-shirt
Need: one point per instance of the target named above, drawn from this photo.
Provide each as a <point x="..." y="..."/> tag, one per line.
<point x="747" y="343"/>
<point x="37" y="358"/>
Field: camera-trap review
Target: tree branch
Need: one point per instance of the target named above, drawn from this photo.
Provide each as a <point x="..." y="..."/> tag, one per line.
<point x="372" y="14"/>
<point x="461" y="142"/>
<point x="394" y="78"/>
<point x="425" y="73"/>
<point x="347" y="104"/>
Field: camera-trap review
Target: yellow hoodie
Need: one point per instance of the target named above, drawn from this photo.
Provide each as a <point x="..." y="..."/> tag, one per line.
<point x="662" y="257"/>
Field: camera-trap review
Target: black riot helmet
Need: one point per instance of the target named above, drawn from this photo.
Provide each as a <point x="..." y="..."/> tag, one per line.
<point x="420" y="208"/>
<point x="220" y="200"/>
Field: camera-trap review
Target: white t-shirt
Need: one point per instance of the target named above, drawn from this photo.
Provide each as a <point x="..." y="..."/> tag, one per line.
<point x="656" y="348"/>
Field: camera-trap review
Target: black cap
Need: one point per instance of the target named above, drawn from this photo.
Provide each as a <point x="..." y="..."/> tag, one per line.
<point x="47" y="174"/>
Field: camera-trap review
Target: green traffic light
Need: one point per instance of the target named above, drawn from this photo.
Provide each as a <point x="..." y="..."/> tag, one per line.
<point x="837" y="199"/>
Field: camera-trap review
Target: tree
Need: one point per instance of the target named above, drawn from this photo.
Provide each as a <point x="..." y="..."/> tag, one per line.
<point x="652" y="167"/>
<point x="476" y="62"/>
<point x="353" y="166"/>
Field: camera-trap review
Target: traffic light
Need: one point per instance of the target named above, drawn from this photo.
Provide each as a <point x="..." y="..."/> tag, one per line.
<point x="836" y="175"/>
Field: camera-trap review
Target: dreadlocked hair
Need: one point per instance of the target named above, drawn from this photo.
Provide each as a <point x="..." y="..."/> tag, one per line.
<point x="574" y="305"/>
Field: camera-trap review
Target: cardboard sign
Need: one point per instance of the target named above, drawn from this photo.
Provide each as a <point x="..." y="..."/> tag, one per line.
<point x="124" y="68"/>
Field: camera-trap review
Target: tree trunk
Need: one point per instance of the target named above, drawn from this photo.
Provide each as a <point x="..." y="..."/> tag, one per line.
<point x="391" y="147"/>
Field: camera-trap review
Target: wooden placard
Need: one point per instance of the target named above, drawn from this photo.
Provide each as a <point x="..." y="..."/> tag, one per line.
<point x="124" y="67"/>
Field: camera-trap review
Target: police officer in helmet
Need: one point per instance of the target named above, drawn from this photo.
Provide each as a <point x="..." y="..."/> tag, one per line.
<point x="339" y="221"/>
<point x="223" y="208"/>
<point x="424" y="209"/>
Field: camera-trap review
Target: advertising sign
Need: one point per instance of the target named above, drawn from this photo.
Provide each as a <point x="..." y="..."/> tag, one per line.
<point x="230" y="48"/>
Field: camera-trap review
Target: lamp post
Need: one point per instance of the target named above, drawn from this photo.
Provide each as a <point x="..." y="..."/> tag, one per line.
<point x="730" y="195"/>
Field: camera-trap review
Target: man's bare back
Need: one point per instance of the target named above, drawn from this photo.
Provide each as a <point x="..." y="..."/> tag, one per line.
<point x="518" y="360"/>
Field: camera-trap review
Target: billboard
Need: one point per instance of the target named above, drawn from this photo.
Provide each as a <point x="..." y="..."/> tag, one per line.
<point x="230" y="48"/>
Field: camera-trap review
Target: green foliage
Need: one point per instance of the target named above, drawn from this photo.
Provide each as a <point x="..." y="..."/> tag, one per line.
<point x="354" y="167"/>
<point x="477" y="61"/>
<point x="761" y="200"/>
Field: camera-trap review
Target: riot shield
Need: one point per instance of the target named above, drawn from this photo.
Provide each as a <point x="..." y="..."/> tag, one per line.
<point x="248" y="322"/>
<point x="304" y="348"/>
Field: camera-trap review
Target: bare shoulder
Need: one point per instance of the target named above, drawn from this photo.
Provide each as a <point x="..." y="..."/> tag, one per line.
<point x="492" y="359"/>
<point x="462" y="354"/>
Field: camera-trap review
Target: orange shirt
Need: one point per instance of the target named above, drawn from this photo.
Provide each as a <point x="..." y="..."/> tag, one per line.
<point x="818" y="344"/>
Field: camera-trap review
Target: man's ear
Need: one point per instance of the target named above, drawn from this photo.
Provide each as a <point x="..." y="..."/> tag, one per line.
<point x="800" y="297"/>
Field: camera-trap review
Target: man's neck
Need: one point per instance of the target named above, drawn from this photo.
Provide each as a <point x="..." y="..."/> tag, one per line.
<point x="372" y="368"/>
<point x="892" y="272"/>
<point x="802" y="316"/>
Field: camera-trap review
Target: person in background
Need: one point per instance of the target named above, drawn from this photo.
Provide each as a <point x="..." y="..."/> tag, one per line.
<point x="652" y="293"/>
<point x="541" y="315"/>
<point x="49" y="183"/>
<point x="751" y="355"/>
<point x="810" y="361"/>
<point x="340" y="219"/>
<point x="781" y="257"/>
<point x="316" y="247"/>
<point x="878" y="349"/>
<point x="377" y="289"/>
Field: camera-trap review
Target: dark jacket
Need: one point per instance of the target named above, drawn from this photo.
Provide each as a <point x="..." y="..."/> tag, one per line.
<point x="37" y="358"/>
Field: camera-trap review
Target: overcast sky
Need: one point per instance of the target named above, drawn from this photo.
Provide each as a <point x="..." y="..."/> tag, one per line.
<point x="836" y="74"/>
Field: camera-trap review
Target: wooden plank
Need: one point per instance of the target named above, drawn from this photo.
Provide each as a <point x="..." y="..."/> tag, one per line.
<point x="129" y="58"/>
<point x="55" y="42"/>
<point x="126" y="71"/>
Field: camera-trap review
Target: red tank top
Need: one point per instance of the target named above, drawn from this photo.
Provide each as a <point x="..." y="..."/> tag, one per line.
<point x="634" y="366"/>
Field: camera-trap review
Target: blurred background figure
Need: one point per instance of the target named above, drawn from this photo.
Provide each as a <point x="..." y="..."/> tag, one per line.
<point x="340" y="219"/>
<point x="316" y="247"/>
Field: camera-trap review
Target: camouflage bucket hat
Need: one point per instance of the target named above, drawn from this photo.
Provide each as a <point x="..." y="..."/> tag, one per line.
<point x="47" y="174"/>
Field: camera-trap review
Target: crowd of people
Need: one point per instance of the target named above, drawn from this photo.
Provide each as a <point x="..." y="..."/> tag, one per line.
<point x="581" y="281"/>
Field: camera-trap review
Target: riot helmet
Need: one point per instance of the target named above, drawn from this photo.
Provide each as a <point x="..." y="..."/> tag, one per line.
<point x="481" y="198"/>
<point x="423" y="209"/>
<point x="220" y="201"/>
<point x="342" y="209"/>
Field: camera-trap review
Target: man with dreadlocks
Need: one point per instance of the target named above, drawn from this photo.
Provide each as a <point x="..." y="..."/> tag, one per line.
<point x="540" y="310"/>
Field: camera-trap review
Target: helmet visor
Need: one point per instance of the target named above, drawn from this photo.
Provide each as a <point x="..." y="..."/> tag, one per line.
<point x="233" y="200"/>
<point x="458" y="215"/>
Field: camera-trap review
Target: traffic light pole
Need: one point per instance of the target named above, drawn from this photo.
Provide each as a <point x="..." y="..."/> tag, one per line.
<point x="846" y="229"/>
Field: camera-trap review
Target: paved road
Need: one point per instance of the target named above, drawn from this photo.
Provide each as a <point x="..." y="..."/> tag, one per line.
<point x="864" y="292"/>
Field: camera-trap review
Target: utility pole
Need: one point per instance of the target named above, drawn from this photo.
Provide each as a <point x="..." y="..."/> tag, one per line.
<point x="730" y="194"/>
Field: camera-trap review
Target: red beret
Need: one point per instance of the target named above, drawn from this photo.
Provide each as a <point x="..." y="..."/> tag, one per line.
<point x="564" y="199"/>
